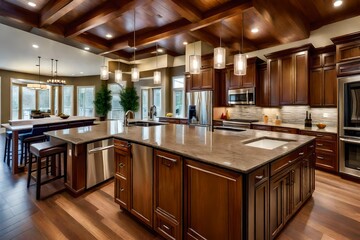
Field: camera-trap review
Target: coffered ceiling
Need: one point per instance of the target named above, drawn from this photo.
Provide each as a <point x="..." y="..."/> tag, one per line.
<point x="169" y="23"/>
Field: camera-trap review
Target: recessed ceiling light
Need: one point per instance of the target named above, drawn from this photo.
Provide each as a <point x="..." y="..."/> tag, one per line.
<point x="160" y="50"/>
<point x="86" y="48"/>
<point x="81" y="72"/>
<point x="254" y="30"/>
<point x="108" y="35"/>
<point x="337" y="3"/>
<point x="31" y="4"/>
<point x="185" y="43"/>
<point x="35" y="46"/>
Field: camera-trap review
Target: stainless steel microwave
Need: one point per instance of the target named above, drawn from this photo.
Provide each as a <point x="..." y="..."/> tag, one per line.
<point x="245" y="96"/>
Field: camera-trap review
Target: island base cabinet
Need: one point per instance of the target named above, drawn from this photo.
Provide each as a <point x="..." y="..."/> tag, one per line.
<point x="168" y="194"/>
<point x="212" y="201"/>
<point x="122" y="172"/>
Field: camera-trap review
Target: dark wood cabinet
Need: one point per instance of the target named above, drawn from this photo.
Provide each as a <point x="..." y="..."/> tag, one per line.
<point x="213" y="202"/>
<point x="290" y="186"/>
<point x="168" y="194"/>
<point x="174" y="120"/>
<point x="284" y="129"/>
<point x="247" y="81"/>
<point x="122" y="173"/>
<point x="263" y="87"/>
<point x="207" y="78"/>
<point x="323" y="79"/>
<point x="326" y="153"/>
<point x="258" y="204"/>
<point x="289" y="76"/>
<point x="347" y="54"/>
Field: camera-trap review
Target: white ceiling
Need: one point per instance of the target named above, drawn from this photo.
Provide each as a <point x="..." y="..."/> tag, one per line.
<point x="17" y="54"/>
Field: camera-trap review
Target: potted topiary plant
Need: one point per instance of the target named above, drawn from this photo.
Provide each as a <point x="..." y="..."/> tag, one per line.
<point x="129" y="99"/>
<point x="103" y="102"/>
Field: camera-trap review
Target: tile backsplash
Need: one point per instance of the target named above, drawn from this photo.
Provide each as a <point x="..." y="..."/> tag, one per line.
<point x="288" y="114"/>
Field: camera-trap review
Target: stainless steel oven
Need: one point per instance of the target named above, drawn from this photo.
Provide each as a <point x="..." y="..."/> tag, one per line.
<point x="349" y="125"/>
<point x="244" y="96"/>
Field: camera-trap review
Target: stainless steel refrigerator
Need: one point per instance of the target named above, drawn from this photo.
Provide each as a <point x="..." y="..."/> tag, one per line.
<point x="201" y="101"/>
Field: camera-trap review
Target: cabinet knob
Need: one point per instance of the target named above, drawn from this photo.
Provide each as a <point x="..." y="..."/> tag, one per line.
<point x="122" y="189"/>
<point x="319" y="157"/>
<point x="319" y="144"/>
<point x="259" y="177"/>
<point x="166" y="227"/>
<point x="301" y="153"/>
<point x="319" y="135"/>
<point x="121" y="165"/>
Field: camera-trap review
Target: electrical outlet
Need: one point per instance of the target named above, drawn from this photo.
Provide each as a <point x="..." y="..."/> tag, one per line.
<point x="325" y="115"/>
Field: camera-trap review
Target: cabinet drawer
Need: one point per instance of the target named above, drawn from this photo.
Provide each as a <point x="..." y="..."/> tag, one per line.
<point x="121" y="192"/>
<point x="122" y="145"/>
<point x="259" y="175"/>
<point x="217" y="123"/>
<point x="282" y="163"/>
<point x="261" y="127"/>
<point x="320" y="135"/>
<point x="184" y="121"/>
<point x="285" y="130"/>
<point x="327" y="146"/>
<point x="175" y="121"/>
<point x="327" y="161"/>
<point x="121" y="163"/>
<point x="167" y="228"/>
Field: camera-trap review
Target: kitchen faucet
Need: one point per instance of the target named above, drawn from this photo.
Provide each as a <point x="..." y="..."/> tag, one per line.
<point x="152" y="112"/>
<point x="128" y="114"/>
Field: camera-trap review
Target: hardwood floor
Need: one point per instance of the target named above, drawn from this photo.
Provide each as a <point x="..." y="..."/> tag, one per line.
<point x="332" y="213"/>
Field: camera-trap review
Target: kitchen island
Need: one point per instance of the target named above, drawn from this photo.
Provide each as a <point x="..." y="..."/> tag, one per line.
<point x="188" y="182"/>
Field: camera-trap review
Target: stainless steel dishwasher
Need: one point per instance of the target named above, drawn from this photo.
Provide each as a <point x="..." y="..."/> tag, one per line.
<point x="99" y="162"/>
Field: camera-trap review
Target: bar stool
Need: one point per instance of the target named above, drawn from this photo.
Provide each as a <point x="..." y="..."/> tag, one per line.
<point x="43" y="151"/>
<point x="8" y="141"/>
<point x="35" y="136"/>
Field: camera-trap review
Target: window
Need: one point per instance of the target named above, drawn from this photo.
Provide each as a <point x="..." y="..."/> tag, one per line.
<point x="117" y="111"/>
<point x="178" y="96"/>
<point x="15" y="89"/>
<point x="28" y="100"/>
<point x="67" y="99"/>
<point x="149" y="97"/>
<point x="157" y="101"/>
<point x="56" y="100"/>
<point x="44" y="100"/>
<point x="85" y="101"/>
<point x="144" y="103"/>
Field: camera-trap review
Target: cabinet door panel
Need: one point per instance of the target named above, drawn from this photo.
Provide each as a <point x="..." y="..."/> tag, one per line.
<point x="297" y="186"/>
<point x="234" y="80"/>
<point x="301" y="79"/>
<point x="306" y="178"/>
<point x="207" y="77"/>
<point x="263" y="95"/>
<point x="249" y="79"/>
<point x="316" y="87"/>
<point x="122" y="192"/>
<point x="277" y="191"/>
<point x="286" y="81"/>
<point x="219" y="217"/>
<point x="273" y="73"/>
<point x="261" y="211"/>
<point x="195" y="81"/>
<point x="330" y="87"/>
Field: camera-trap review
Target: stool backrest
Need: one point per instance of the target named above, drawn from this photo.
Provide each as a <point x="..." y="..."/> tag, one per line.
<point x="39" y="129"/>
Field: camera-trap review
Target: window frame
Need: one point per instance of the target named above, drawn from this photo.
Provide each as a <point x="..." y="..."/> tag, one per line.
<point x="77" y="99"/>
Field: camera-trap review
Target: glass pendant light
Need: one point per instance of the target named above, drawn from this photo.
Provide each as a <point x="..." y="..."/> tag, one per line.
<point x="104" y="71"/>
<point x="134" y="70"/>
<point x="118" y="75"/>
<point x="219" y="55"/>
<point x="157" y="74"/>
<point x="194" y="63"/>
<point x="240" y="62"/>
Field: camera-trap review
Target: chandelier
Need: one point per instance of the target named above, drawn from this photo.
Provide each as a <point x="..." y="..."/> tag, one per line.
<point x="37" y="86"/>
<point x="54" y="81"/>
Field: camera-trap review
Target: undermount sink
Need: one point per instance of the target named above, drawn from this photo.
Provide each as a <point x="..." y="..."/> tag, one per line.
<point x="267" y="143"/>
<point x="145" y="124"/>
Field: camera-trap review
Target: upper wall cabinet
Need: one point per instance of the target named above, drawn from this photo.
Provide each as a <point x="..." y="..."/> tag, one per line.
<point x="289" y="76"/>
<point x="204" y="80"/>
<point x="347" y="54"/>
<point x="323" y="84"/>
<point x="246" y="81"/>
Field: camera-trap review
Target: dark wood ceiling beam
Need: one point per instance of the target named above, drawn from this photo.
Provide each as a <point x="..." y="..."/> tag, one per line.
<point x="54" y="10"/>
<point x="226" y="11"/>
<point x="93" y="41"/>
<point x="19" y="14"/>
<point x="284" y="23"/>
<point x="106" y="12"/>
<point x="185" y="9"/>
<point x="209" y="38"/>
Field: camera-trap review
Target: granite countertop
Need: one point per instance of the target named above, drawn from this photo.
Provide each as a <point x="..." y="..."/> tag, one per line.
<point x="300" y="127"/>
<point x="223" y="148"/>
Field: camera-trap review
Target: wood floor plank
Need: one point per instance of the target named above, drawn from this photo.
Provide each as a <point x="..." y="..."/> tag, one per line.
<point x="47" y="228"/>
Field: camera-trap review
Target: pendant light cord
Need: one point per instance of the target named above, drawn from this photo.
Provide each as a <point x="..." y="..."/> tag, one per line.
<point x="134" y="36"/>
<point x="56" y="61"/>
<point x="156" y="56"/>
<point x="242" y="32"/>
<point x="39" y="69"/>
<point x="221" y="29"/>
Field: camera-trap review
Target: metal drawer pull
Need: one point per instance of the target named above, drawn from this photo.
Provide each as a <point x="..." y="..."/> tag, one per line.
<point x="121" y="165"/>
<point x="350" y="141"/>
<point x="122" y="189"/>
<point x="259" y="177"/>
<point x="99" y="149"/>
<point x="319" y="144"/>
<point x="122" y="145"/>
<point x="170" y="159"/>
<point x="166" y="227"/>
<point x="301" y="154"/>
<point x="319" y="157"/>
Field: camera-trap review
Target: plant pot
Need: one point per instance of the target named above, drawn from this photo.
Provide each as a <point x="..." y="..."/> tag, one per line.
<point x="102" y="118"/>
